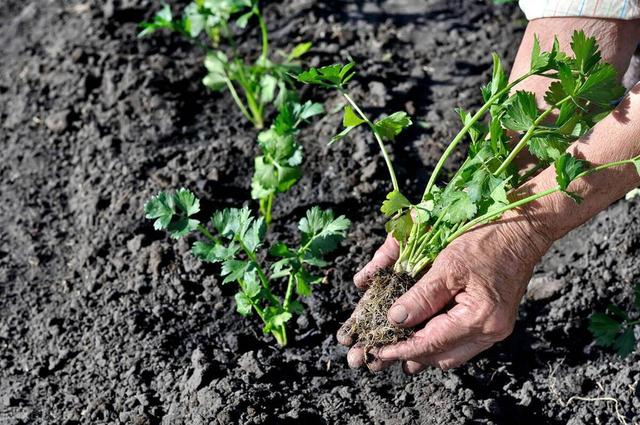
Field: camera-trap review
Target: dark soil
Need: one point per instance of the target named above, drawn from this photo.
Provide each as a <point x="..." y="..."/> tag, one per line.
<point x="371" y="327"/>
<point x="104" y="320"/>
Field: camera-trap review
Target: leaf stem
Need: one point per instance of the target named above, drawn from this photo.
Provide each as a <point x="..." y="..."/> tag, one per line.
<point x="528" y="135"/>
<point x="265" y="37"/>
<point x="238" y="101"/>
<point x="479" y="114"/>
<point x="288" y="294"/>
<point x="383" y="150"/>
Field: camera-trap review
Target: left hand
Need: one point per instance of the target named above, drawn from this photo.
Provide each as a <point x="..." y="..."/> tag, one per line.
<point x="483" y="274"/>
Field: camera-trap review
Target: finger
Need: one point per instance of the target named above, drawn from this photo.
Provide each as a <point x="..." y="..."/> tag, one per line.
<point x="385" y="256"/>
<point x="374" y="362"/>
<point x="441" y="334"/>
<point x="457" y="356"/>
<point x="428" y="296"/>
<point x="345" y="333"/>
<point x="355" y="357"/>
<point x="411" y="368"/>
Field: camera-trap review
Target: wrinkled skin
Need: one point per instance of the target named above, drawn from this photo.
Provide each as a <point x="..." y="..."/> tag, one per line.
<point x="482" y="275"/>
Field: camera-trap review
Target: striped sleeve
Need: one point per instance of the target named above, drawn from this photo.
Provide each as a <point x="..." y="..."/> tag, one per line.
<point x="611" y="9"/>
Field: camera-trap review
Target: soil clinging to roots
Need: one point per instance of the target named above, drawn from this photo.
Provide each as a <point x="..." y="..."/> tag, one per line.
<point x="371" y="325"/>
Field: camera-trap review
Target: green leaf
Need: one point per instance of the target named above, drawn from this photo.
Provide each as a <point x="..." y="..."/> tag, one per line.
<point x="625" y="344"/>
<point x="233" y="270"/>
<point x="243" y="20"/>
<point x="542" y="61"/>
<point x="400" y="227"/>
<point x="172" y="212"/>
<point x="422" y="211"/>
<point x="336" y="75"/>
<point x="321" y="232"/>
<point x="268" y="84"/>
<point x="459" y="207"/>
<point x="350" y="119"/>
<point x="243" y="304"/>
<point x="520" y="112"/>
<point x="340" y="135"/>
<point x="160" y="207"/>
<point x="636" y="162"/>
<point x="395" y="202"/>
<point x="585" y="51"/>
<point x="281" y="250"/>
<point x="567" y="169"/>
<point x="302" y="288"/>
<point x="601" y="86"/>
<point x="388" y="128"/>
<point x="163" y="19"/>
<point x="252" y="286"/>
<point x="604" y="329"/>
<point x="567" y="80"/>
<point x="307" y="110"/>
<point x="548" y="147"/>
<point x="299" y="50"/>
<point x="213" y="252"/>
<point x="254" y="235"/>
<point x="499" y="77"/>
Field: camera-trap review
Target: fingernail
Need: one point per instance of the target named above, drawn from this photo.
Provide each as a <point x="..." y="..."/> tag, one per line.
<point x="398" y="314"/>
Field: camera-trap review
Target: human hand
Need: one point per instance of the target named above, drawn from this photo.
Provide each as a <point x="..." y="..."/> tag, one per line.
<point x="483" y="274"/>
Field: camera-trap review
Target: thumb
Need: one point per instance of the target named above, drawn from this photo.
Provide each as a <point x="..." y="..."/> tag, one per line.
<point x="428" y="296"/>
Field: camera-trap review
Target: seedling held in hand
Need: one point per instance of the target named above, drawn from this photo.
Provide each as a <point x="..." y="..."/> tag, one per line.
<point x="582" y="92"/>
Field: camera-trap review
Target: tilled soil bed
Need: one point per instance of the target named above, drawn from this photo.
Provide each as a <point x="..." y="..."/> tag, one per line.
<point x="104" y="320"/>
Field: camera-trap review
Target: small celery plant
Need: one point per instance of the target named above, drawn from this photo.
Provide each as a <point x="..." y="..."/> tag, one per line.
<point x="252" y="84"/>
<point x="235" y="239"/>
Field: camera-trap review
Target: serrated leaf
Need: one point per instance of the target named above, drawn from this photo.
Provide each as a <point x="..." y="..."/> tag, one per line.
<point x="328" y="76"/>
<point x="350" y="119"/>
<point x="625" y="343"/>
<point x="388" y="128"/>
<point x="213" y="252"/>
<point x="252" y="286"/>
<point x="307" y="110"/>
<point x="172" y="212"/>
<point x="395" y="202"/>
<point x="459" y="207"/>
<point x="548" y="147"/>
<point x="163" y="19"/>
<point x="243" y="20"/>
<point x="585" y="50"/>
<point x="400" y="227"/>
<point x="254" y="235"/>
<point x="233" y="270"/>
<point x="243" y="304"/>
<point x="321" y="232"/>
<point x="567" y="169"/>
<point x="302" y="286"/>
<point x="520" y="112"/>
<point x="604" y="329"/>
<point x="499" y="77"/>
<point x="601" y="86"/>
<point x="281" y="250"/>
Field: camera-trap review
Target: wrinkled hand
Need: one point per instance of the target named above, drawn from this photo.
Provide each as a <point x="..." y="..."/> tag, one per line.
<point x="483" y="274"/>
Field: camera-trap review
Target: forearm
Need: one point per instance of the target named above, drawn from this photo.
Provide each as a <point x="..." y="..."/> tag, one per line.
<point x="615" y="138"/>
<point x="611" y="140"/>
<point x="617" y="40"/>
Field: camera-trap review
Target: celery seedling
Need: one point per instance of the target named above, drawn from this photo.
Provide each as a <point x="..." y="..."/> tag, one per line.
<point x="614" y="328"/>
<point x="234" y="238"/>
<point x="583" y="91"/>
<point x="252" y="84"/>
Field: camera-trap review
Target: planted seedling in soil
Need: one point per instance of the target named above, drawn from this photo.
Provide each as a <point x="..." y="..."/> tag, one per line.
<point x="252" y="85"/>
<point x="583" y="91"/>
<point x="616" y="328"/>
<point x="235" y="239"/>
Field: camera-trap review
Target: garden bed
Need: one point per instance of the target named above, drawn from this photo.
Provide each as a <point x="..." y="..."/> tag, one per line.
<point x="102" y="321"/>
